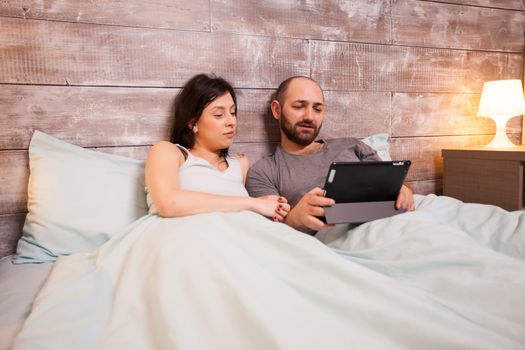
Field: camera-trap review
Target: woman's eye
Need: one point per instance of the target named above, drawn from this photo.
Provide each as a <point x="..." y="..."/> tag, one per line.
<point x="217" y="115"/>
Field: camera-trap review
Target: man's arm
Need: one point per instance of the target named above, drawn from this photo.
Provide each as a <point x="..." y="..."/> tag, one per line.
<point x="259" y="180"/>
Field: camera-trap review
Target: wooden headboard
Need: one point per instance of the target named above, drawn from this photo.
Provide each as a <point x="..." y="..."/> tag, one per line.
<point x="104" y="74"/>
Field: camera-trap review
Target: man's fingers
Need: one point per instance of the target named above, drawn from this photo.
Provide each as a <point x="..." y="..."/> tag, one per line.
<point x="317" y="191"/>
<point x="316" y="224"/>
<point x="399" y="202"/>
<point x="316" y="198"/>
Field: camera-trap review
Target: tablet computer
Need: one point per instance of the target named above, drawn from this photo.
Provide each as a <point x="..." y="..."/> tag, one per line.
<point x="364" y="191"/>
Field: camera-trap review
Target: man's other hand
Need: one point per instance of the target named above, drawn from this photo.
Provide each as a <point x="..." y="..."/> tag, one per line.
<point x="405" y="200"/>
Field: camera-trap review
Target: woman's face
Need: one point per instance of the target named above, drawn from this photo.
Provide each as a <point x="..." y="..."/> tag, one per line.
<point x="216" y="126"/>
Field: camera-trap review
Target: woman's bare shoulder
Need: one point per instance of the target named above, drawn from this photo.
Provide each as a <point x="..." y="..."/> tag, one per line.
<point x="165" y="149"/>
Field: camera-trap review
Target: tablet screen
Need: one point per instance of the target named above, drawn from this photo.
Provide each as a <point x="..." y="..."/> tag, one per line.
<point x="365" y="181"/>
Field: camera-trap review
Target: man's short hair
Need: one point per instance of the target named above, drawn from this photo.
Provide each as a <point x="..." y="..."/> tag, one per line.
<point x="283" y="87"/>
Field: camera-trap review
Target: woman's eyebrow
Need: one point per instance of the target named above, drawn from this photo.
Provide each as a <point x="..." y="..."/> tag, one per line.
<point x="233" y="106"/>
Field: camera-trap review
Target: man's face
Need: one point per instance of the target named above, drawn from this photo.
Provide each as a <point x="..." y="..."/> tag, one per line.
<point x="302" y="111"/>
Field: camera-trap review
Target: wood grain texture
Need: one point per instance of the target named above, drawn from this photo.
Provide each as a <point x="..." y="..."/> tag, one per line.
<point x="496" y="182"/>
<point x="502" y="4"/>
<point x="356" y="114"/>
<point x="441" y="114"/>
<point x="425" y="153"/>
<point x="10" y="232"/>
<point x="43" y="52"/>
<point x="349" y="66"/>
<point x="427" y="186"/>
<point x="429" y="24"/>
<point x="254" y="124"/>
<point x="85" y="116"/>
<point x="14" y="177"/>
<point x="362" y="21"/>
<point x="173" y="14"/>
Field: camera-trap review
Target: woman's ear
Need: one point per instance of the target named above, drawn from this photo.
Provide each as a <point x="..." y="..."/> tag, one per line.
<point x="276" y="109"/>
<point x="193" y="127"/>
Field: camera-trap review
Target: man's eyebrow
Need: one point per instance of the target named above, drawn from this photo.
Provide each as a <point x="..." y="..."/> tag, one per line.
<point x="307" y="101"/>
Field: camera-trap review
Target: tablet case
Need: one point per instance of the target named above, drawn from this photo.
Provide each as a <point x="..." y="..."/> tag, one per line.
<point x="364" y="191"/>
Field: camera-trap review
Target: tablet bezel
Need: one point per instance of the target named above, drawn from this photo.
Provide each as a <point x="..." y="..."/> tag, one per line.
<point x="366" y="181"/>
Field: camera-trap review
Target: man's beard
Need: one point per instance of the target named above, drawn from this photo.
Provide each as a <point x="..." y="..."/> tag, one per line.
<point x="300" y="138"/>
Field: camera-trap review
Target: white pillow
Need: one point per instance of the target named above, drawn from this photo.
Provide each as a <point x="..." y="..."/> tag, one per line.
<point x="379" y="142"/>
<point x="77" y="199"/>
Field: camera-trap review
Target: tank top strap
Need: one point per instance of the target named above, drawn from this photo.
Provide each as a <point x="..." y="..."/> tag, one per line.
<point x="184" y="150"/>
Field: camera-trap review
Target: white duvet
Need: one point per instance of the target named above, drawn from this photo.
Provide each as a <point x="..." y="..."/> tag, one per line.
<point x="447" y="276"/>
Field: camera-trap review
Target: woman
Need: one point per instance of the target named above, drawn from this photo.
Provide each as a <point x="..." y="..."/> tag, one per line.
<point x="193" y="173"/>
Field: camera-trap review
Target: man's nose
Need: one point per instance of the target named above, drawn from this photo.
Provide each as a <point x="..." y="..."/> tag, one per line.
<point x="308" y="114"/>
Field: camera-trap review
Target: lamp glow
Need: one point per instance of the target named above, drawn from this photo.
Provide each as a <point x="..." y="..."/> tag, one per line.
<point x="501" y="100"/>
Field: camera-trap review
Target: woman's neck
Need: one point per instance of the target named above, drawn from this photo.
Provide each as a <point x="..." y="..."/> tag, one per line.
<point x="213" y="157"/>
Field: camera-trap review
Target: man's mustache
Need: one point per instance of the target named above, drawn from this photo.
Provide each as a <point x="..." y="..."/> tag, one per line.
<point x="306" y="124"/>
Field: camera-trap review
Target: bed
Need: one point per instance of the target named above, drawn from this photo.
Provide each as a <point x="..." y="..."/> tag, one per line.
<point x="95" y="269"/>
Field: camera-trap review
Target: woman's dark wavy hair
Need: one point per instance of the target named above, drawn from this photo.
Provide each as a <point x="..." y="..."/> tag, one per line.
<point x="196" y="94"/>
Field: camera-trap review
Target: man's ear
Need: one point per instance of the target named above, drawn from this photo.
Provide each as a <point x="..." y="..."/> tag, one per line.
<point x="276" y="109"/>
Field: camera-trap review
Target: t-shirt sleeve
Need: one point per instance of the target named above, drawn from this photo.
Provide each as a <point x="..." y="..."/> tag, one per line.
<point x="260" y="181"/>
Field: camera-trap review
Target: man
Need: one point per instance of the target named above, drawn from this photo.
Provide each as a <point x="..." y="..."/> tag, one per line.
<point x="298" y="168"/>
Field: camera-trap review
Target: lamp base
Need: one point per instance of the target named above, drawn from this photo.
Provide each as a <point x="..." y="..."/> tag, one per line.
<point x="501" y="139"/>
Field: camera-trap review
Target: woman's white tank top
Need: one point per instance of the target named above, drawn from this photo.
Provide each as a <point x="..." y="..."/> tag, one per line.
<point x="197" y="174"/>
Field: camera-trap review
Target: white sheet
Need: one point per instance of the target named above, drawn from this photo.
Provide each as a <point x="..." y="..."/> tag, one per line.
<point x="19" y="285"/>
<point x="240" y="281"/>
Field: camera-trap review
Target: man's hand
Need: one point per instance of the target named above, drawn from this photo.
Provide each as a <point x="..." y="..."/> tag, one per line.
<point x="305" y="215"/>
<point x="405" y="200"/>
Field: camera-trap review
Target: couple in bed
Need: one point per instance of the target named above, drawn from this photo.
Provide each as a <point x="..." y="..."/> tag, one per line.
<point x="210" y="273"/>
<point x="193" y="173"/>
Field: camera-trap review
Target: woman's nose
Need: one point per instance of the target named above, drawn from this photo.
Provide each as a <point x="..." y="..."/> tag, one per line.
<point x="231" y="120"/>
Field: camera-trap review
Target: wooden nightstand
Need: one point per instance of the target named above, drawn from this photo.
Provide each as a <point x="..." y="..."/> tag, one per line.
<point x="484" y="175"/>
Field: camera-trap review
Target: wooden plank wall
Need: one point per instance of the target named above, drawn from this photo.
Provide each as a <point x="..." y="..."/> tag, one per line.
<point x="104" y="73"/>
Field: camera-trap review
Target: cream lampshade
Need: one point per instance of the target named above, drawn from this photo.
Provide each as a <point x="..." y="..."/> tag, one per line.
<point x="501" y="100"/>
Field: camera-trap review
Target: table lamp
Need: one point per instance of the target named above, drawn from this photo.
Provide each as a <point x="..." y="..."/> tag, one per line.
<point x="501" y="100"/>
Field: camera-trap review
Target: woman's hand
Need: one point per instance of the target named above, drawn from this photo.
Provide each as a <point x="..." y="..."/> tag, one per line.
<point x="274" y="207"/>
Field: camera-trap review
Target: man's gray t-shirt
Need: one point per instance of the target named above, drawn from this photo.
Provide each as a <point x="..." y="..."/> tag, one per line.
<point x="292" y="176"/>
